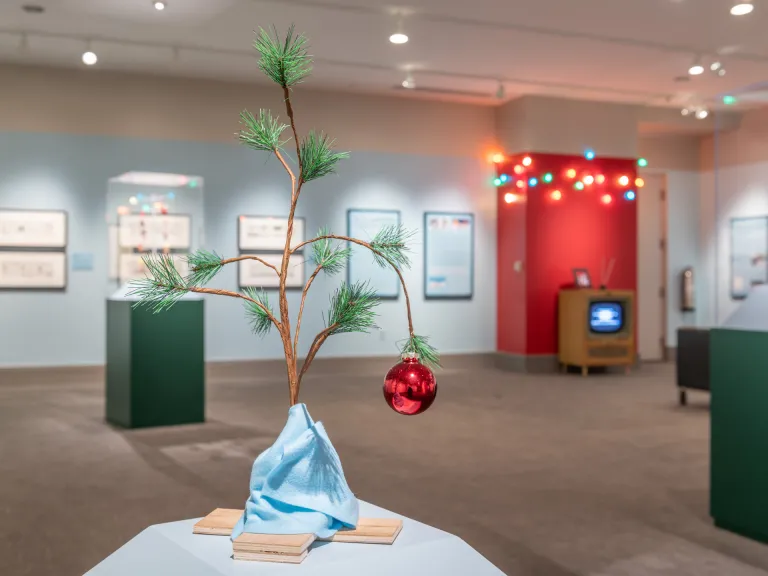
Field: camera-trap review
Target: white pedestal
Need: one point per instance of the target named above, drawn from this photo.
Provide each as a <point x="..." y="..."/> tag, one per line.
<point x="165" y="549"/>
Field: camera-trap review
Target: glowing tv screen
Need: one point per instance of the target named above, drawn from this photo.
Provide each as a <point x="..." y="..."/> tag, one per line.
<point x="606" y="317"/>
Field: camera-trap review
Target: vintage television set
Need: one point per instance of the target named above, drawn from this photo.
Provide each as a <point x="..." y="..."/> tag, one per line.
<point x="596" y="328"/>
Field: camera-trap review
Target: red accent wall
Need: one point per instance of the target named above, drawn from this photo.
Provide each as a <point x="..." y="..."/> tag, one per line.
<point x="554" y="236"/>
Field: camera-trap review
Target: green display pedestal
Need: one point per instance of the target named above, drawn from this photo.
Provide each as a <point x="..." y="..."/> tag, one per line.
<point x="155" y="364"/>
<point x="739" y="435"/>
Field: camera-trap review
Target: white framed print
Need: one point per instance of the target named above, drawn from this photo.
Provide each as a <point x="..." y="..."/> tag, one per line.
<point x="155" y="231"/>
<point x="267" y="232"/>
<point x="33" y="229"/>
<point x="253" y="274"/>
<point x="132" y="267"/>
<point x="33" y="270"/>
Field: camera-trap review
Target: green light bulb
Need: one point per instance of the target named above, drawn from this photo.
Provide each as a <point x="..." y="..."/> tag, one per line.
<point x="497" y="181"/>
<point x="547" y="177"/>
<point x="729" y="100"/>
<point x="642" y="162"/>
<point x="579" y="185"/>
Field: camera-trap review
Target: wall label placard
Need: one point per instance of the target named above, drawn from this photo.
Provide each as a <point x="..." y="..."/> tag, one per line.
<point x="449" y="255"/>
<point x="365" y="224"/>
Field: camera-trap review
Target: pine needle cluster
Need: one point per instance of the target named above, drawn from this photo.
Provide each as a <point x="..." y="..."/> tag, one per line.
<point x="262" y="132"/>
<point x="420" y="346"/>
<point x="285" y="63"/>
<point x="390" y="243"/>
<point x="257" y="316"/>
<point x="352" y="309"/>
<point x="317" y="156"/>
<point x="203" y="266"/>
<point x="329" y="255"/>
<point x="163" y="286"/>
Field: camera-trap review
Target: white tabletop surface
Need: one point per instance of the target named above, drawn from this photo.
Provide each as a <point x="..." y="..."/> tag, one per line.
<point x="169" y="549"/>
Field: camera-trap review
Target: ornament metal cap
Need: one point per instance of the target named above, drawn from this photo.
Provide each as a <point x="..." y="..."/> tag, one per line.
<point x="410" y="357"/>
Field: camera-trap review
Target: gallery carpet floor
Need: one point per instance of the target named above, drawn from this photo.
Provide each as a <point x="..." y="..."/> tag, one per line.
<point x="545" y="475"/>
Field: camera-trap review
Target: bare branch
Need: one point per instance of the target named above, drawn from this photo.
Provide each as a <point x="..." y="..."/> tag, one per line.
<point x="251" y="257"/>
<point x="301" y="309"/>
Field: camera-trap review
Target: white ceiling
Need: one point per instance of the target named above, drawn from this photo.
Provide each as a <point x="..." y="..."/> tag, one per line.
<point x="616" y="50"/>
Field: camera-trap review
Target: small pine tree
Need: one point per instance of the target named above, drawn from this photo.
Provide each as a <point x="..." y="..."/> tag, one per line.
<point x="287" y="63"/>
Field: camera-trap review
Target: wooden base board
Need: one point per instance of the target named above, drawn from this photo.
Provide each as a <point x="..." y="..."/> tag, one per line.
<point x="292" y="548"/>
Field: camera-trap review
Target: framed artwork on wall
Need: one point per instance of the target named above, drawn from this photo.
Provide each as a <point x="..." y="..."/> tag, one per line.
<point x="449" y="255"/>
<point x="33" y="229"/>
<point x="581" y="278"/>
<point x="267" y="233"/>
<point x="155" y="231"/>
<point x="33" y="270"/>
<point x="253" y="274"/>
<point x="365" y="224"/>
<point x="749" y="250"/>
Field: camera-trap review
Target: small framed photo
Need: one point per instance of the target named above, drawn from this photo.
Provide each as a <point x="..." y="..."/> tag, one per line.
<point x="581" y="278"/>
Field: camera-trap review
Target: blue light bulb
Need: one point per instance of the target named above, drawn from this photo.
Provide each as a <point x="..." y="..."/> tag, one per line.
<point x="589" y="154"/>
<point x="532" y="182"/>
<point x="629" y="195"/>
<point x="503" y="177"/>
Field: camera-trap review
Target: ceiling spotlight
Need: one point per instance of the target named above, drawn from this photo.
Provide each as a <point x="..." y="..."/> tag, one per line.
<point x="399" y="37"/>
<point x="721" y="72"/>
<point x="685" y="111"/>
<point x="409" y="82"/>
<point x="159" y="5"/>
<point x="89" y="57"/>
<point x="715" y="66"/>
<point x="742" y="7"/>
<point x="702" y="113"/>
<point x="696" y="69"/>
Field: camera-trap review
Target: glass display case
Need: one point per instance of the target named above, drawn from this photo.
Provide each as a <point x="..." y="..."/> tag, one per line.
<point x="151" y="212"/>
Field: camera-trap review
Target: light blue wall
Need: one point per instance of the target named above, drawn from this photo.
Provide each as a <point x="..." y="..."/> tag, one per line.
<point x="55" y="171"/>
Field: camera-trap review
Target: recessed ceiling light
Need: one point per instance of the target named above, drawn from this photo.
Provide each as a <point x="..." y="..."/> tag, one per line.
<point x="696" y="69"/>
<point x="159" y="5"/>
<point x="90" y="58"/>
<point x="702" y="113"/>
<point x="742" y="8"/>
<point x="398" y="38"/>
<point x="33" y="8"/>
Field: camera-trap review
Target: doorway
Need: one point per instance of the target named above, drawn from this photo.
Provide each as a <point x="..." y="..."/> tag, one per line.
<point x="651" y="268"/>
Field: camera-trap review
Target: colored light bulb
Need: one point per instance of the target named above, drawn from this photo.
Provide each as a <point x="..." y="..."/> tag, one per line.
<point x="589" y="154"/>
<point x="498" y="158"/>
<point x="497" y="181"/>
<point x="642" y="162"/>
<point x="547" y="177"/>
<point x="624" y="180"/>
<point x="519" y="169"/>
<point x="629" y="195"/>
<point x="579" y="185"/>
<point x="599" y="178"/>
<point x="606" y="199"/>
<point x="532" y="182"/>
<point x="556" y="195"/>
<point x="520" y="184"/>
<point x="729" y="100"/>
<point x="588" y="180"/>
<point x="509" y="198"/>
<point x="504" y="178"/>
<point x="639" y="182"/>
<point x="571" y="173"/>
<point x="527" y="161"/>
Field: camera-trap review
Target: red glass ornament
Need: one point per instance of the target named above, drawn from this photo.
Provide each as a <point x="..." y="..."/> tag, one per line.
<point x="410" y="387"/>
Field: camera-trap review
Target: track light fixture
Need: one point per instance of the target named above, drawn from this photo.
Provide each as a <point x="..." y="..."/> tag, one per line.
<point x="702" y="113"/>
<point x="742" y="7"/>
<point x="698" y="112"/>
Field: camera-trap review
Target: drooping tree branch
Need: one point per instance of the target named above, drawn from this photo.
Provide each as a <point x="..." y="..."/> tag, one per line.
<point x="250" y="257"/>
<point x="301" y="310"/>
<point x="376" y="252"/>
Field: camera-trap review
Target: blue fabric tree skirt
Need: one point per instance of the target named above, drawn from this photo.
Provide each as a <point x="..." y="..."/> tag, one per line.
<point x="298" y="485"/>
